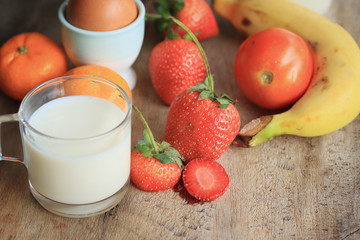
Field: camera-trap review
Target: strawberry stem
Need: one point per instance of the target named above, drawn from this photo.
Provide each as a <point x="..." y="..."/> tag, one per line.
<point x="202" y="52"/>
<point x="151" y="136"/>
<point x="163" y="151"/>
<point x="152" y="16"/>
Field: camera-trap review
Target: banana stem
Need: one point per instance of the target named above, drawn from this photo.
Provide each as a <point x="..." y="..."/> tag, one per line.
<point x="196" y="41"/>
<point x="151" y="136"/>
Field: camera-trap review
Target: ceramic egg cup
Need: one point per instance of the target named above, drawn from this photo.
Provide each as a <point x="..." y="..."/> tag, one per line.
<point x="117" y="49"/>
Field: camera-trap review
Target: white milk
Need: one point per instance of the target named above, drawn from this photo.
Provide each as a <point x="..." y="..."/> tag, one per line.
<point x="72" y="170"/>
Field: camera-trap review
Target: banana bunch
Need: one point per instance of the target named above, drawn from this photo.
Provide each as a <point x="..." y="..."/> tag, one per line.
<point x="333" y="97"/>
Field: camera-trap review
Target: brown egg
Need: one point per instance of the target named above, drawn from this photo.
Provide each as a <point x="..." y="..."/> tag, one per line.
<point x="101" y="15"/>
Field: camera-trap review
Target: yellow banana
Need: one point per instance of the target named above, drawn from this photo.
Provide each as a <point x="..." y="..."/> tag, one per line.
<point x="333" y="97"/>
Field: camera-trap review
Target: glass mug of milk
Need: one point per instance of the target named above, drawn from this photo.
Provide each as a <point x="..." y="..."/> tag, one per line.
<point x="76" y="136"/>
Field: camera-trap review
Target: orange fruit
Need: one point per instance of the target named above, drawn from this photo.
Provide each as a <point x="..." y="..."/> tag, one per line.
<point x="27" y="60"/>
<point x="80" y="87"/>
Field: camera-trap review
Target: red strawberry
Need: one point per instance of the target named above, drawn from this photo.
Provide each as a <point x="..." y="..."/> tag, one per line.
<point x="201" y="124"/>
<point x="175" y="66"/>
<point x="154" y="166"/>
<point x="149" y="174"/>
<point x="200" y="128"/>
<point x="198" y="17"/>
<point x="205" y="179"/>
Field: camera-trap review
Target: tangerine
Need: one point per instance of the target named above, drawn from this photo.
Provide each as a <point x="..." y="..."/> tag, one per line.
<point x="78" y="87"/>
<point x="27" y="60"/>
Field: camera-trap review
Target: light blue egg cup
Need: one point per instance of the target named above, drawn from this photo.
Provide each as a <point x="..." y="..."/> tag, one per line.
<point x="117" y="49"/>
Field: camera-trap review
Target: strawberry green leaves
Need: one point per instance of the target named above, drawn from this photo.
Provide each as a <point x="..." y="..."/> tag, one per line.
<point x="163" y="152"/>
<point x="149" y="148"/>
<point x="205" y="91"/>
<point x="165" y="9"/>
<point x="144" y="147"/>
<point x="169" y="155"/>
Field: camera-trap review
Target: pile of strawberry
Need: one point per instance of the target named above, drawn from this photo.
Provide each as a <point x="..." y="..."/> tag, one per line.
<point x="200" y="124"/>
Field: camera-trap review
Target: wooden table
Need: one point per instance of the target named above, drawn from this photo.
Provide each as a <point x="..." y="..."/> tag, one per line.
<point x="316" y="197"/>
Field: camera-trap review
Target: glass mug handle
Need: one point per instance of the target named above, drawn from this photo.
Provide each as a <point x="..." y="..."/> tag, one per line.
<point x="3" y="119"/>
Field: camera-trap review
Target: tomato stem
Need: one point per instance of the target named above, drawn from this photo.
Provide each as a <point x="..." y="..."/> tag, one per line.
<point x="22" y="49"/>
<point x="266" y="77"/>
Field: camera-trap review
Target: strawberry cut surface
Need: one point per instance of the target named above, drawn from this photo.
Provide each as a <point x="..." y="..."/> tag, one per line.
<point x="205" y="179"/>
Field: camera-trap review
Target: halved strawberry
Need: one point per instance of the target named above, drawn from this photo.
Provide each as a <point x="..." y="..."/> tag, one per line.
<point x="205" y="179"/>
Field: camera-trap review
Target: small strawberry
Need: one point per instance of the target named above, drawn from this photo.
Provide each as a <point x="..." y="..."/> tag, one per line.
<point x="205" y="179"/>
<point x="195" y="14"/>
<point x="175" y="66"/>
<point x="199" y="18"/>
<point x="151" y="175"/>
<point x="154" y="166"/>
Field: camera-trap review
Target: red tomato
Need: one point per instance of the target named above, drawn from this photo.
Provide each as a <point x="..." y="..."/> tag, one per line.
<point x="273" y="68"/>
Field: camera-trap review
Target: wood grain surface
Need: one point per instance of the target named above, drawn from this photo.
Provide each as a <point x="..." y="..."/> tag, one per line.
<point x="287" y="188"/>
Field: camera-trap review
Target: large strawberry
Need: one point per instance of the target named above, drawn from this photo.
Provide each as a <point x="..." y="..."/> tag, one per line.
<point x="199" y="127"/>
<point x="175" y="66"/>
<point x="195" y="14"/>
<point x="201" y="124"/>
<point x="154" y="166"/>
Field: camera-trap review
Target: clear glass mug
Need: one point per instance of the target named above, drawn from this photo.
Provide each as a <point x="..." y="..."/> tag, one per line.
<point x="76" y="139"/>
